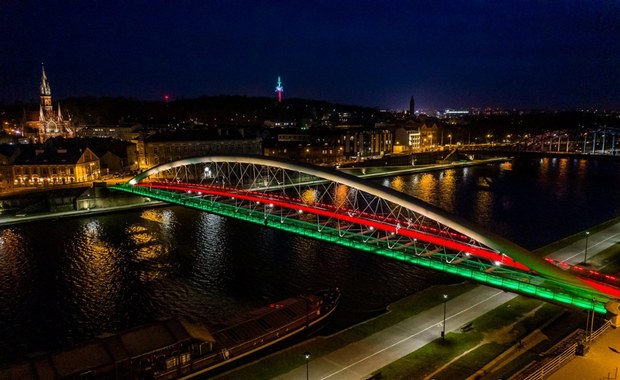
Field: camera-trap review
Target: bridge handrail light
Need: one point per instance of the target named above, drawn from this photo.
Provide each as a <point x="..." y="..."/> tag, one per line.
<point x="498" y="263"/>
<point x="300" y="211"/>
<point x="445" y="296"/>
<point x="133" y="182"/>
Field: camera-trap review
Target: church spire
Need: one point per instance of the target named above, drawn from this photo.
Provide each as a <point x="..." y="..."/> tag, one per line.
<point x="59" y="113"/>
<point x="45" y="86"/>
<point x="46" y="92"/>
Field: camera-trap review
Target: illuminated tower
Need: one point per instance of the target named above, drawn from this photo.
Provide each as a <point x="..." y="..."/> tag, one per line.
<point x="51" y="123"/>
<point x="279" y="90"/>
<point x="46" y="92"/>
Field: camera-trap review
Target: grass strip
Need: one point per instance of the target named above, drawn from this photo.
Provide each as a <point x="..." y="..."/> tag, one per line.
<point x="287" y="360"/>
<point x="492" y="341"/>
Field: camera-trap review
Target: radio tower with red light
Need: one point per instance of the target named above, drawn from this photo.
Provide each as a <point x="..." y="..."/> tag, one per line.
<point x="279" y="90"/>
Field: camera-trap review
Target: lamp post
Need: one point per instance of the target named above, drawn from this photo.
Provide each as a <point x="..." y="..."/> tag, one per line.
<point x="589" y="327"/>
<point x="450" y="137"/>
<point x="307" y="356"/>
<point x="443" y="329"/>
<point x="585" y="255"/>
<point x="585" y="136"/>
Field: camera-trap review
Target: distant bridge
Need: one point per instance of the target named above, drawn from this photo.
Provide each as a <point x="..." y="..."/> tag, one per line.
<point x="593" y="142"/>
<point x="343" y="209"/>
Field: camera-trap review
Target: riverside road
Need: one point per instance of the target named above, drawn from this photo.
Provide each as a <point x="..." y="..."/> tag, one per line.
<point x="360" y="359"/>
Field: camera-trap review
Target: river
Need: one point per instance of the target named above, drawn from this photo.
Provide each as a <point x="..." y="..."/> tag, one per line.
<point x="65" y="281"/>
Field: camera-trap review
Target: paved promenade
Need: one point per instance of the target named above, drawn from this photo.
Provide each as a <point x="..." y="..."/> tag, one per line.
<point x="360" y="359"/>
<point x="601" y="361"/>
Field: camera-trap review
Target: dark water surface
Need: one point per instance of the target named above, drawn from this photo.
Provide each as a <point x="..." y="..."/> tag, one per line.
<point x="65" y="281"/>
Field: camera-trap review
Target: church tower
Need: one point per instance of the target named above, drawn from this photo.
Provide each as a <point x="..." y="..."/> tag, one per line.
<point x="50" y="124"/>
<point x="46" y="92"/>
<point x="411" y="106"/>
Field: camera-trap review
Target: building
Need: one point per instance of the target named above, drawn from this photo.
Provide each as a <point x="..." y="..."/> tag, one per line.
<point x="407" y="138"/>
<point x="430" y="136"/>
<point x="159" y="148"/>
<point x="411" y="106"/>
<point x="48" y="165"/>
<point x="320" y="146"/>
<point x="119" y="132"/>
<point x="115" y="156"/>
<point x="48" y="123"/>
<point x="8" y="153"/>
<point x="366" y="143"/>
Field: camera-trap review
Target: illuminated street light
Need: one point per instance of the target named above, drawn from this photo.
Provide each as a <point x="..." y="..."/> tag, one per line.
<point x="307" y="356"/>
<point x="443" y="329"/>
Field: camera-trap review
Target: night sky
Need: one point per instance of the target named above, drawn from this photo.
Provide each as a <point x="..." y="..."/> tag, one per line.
<point x="448" y="54"/>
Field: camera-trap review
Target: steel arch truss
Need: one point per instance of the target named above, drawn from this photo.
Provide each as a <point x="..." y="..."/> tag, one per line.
<point x="346" y="210"/>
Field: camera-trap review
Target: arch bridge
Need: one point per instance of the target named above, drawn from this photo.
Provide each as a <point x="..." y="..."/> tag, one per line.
<point x="329" y="205"/>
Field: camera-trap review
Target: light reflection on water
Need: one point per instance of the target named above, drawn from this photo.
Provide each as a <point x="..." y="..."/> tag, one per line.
<point x="83" y="277"/>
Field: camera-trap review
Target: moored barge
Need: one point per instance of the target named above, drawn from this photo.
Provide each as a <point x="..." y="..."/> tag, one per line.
<point x="174" y="348"/>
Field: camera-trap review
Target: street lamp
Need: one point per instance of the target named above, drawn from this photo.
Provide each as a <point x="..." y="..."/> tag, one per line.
<point x="585" y="256"/>
<point x="589" y="327"/>
<point x="450" y="137"/>
<point x="443" y="330"/>
<point x="307" y="356"/>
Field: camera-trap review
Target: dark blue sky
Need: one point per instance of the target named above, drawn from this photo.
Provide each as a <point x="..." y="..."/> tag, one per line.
<point x="518" y="53"/>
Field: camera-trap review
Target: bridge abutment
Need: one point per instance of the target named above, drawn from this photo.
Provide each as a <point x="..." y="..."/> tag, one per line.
<point x="613" y="309"/>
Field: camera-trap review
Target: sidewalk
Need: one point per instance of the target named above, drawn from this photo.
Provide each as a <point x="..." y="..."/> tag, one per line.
<point x="601" y="361"/>
<point x="360" y="359"/>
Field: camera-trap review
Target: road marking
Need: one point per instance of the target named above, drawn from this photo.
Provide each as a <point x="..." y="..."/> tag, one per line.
<point x="593" y="245"/>
<point x="410" y="336"/>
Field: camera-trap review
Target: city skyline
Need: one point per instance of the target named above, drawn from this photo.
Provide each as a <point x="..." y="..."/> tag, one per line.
<point x="529" y="54"/>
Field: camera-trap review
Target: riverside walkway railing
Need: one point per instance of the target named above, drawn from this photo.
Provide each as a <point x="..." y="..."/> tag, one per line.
<point x="543" y="369"/>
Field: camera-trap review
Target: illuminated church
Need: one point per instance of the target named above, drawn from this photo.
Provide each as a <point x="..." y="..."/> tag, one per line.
<point x="49" y="123"/>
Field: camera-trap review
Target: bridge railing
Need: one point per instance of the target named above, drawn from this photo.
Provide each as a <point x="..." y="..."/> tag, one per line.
<point x="520" y="282"/>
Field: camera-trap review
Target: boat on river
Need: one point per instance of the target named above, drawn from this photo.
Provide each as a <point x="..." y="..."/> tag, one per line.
<point x="175" y="348"/>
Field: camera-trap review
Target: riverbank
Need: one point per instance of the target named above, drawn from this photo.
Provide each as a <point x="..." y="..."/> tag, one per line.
<point x="405" y="341"/>
<point x="390" y="171"/>
<point x="11" y="220"/>
<point x="371" y="172"/>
